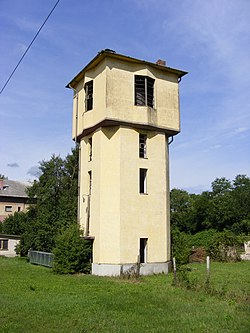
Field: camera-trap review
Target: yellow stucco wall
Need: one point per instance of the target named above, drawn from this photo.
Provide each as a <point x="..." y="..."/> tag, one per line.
<point x="119" y="214"/>
<point x="113" y="97"/>
<point x="115" y="214"/>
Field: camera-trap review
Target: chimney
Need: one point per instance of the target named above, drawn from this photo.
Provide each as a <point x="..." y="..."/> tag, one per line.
<point x="1" y="184"/>
<point x="161" y="62"/>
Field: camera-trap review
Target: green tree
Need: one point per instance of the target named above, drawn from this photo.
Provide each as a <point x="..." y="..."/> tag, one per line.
<point x="180" y="209"/>
<point x="55" y="193"/>
<point x="15" y="224"/>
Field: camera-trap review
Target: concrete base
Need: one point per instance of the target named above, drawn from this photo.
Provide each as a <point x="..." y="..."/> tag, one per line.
<point x="130" y="269"/>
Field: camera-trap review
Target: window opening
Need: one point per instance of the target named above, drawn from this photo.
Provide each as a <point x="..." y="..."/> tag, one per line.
<point x="19" y="209"/>
<point x="90" y="149"/>
<point x="143" y="250"/>
<point x="88" y="95"/>
<point x="144" y="91"/>
<point x="90" y="181"/>
<point x="3" y="244"/>
<point x="143" y="181"/>
<point x="142" y="145"/>
<point x="8" y="209"/>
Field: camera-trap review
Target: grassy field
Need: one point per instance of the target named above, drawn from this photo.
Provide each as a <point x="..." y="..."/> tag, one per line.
<point x="33" y="299"/>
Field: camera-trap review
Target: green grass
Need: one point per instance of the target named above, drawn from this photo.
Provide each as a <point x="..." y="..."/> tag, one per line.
<point x="33" y="299"/>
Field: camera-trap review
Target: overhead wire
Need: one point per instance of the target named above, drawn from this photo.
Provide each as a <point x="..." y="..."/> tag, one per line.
<point x="26" y="51"/>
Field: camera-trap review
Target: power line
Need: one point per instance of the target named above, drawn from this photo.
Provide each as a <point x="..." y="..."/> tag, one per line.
<point x="19" y="62"/>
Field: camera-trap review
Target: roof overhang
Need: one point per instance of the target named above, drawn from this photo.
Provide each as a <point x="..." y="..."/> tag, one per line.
<point x="111" y="54"/>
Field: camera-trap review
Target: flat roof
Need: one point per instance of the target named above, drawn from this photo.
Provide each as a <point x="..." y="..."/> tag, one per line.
<point x="112" y="54"/>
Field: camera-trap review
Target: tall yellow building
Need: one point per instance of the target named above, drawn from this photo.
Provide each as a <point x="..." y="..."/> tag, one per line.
<point x="124" y="112"/>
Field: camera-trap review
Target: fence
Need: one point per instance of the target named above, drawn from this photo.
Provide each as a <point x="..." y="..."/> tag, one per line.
<point x="41" y="258"/>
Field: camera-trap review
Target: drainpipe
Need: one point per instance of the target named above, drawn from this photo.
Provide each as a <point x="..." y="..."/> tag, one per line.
<point x="79" y="161"/>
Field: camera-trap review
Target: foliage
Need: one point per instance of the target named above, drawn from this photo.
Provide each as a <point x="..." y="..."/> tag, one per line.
<point x="71" y="253"/>
<point x="15" y="224"/>
<point x="225" y="246"/>
<point x="2" y="176"/>
<point x="227" y="206"/>
<point x="180" y="246"/>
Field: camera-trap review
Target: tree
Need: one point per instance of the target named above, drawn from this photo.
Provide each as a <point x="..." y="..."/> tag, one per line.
<point x="56" y="203"/>
<point x="180" y="206"/>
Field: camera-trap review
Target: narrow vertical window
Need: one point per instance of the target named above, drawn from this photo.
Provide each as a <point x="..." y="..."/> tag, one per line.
<point x="90" y="148"/>
<point x="144" y="91"/>
<point x="143" y="250"/>
<point x="88" y="95"/>
<point x="19" y="209"/>
<point x="90" y="182"/>
<point x="142" y="145"/>
<point x="143" y="181"/>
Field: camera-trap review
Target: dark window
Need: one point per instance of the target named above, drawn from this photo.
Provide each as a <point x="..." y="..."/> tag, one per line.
<point x="89" y="95"/>
<point x="144" y="91"/>
<point x="90" y="149"/>
<point x="90" y="182"/>
<point x="8" y="209"/>
<point x="3" y="244"/>
<point x="143" y="250"/>
<point x="143" y="145"/>
<point x="19" y="209"/>
<point x="143" y="181"/>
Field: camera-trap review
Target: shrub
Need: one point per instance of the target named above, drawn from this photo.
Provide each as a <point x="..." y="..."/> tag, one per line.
<point x="225" y="246"/>
<point x="71" y="253"/>
<point x="180" y="246"/>
<point x="203" y="238"/>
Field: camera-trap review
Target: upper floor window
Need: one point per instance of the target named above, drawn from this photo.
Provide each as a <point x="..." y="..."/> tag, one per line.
<point x="142" y="145"/>
<point x="88" y="95"/>
<point x="144" y="91"/>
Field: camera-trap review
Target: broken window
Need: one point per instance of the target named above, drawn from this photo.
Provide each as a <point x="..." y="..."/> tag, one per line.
<point x="144" y="91"/>
<point x="143" y="250"/>
<point x="90" y="148"/>
<point x="143" y="181"/>
<point x="142" y="145"/>
<point x="88" y="95"/>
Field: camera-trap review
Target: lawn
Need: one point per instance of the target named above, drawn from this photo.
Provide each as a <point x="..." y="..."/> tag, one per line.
<point x="34" y="299"/>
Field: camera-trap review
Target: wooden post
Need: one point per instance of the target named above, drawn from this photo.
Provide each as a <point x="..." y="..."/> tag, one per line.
<point x="208" y="269"/>
<point x="174" y="267"/>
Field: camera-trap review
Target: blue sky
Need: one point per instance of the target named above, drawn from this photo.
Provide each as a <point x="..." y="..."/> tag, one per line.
<point x="209" y="39"/>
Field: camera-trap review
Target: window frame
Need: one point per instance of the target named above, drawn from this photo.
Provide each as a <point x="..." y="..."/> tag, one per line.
<point x="89" y="92"/>
<point x="144" y="90"/>
<point x="4" y="244"/>
<point x="8" y="209"/>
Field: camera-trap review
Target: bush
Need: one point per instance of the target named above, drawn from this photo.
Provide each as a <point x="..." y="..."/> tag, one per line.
<point x="71" y="253"/>
<point x="180" y="246"/>
<point x="203" y="238"/>
<point x="225" y="246"/>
